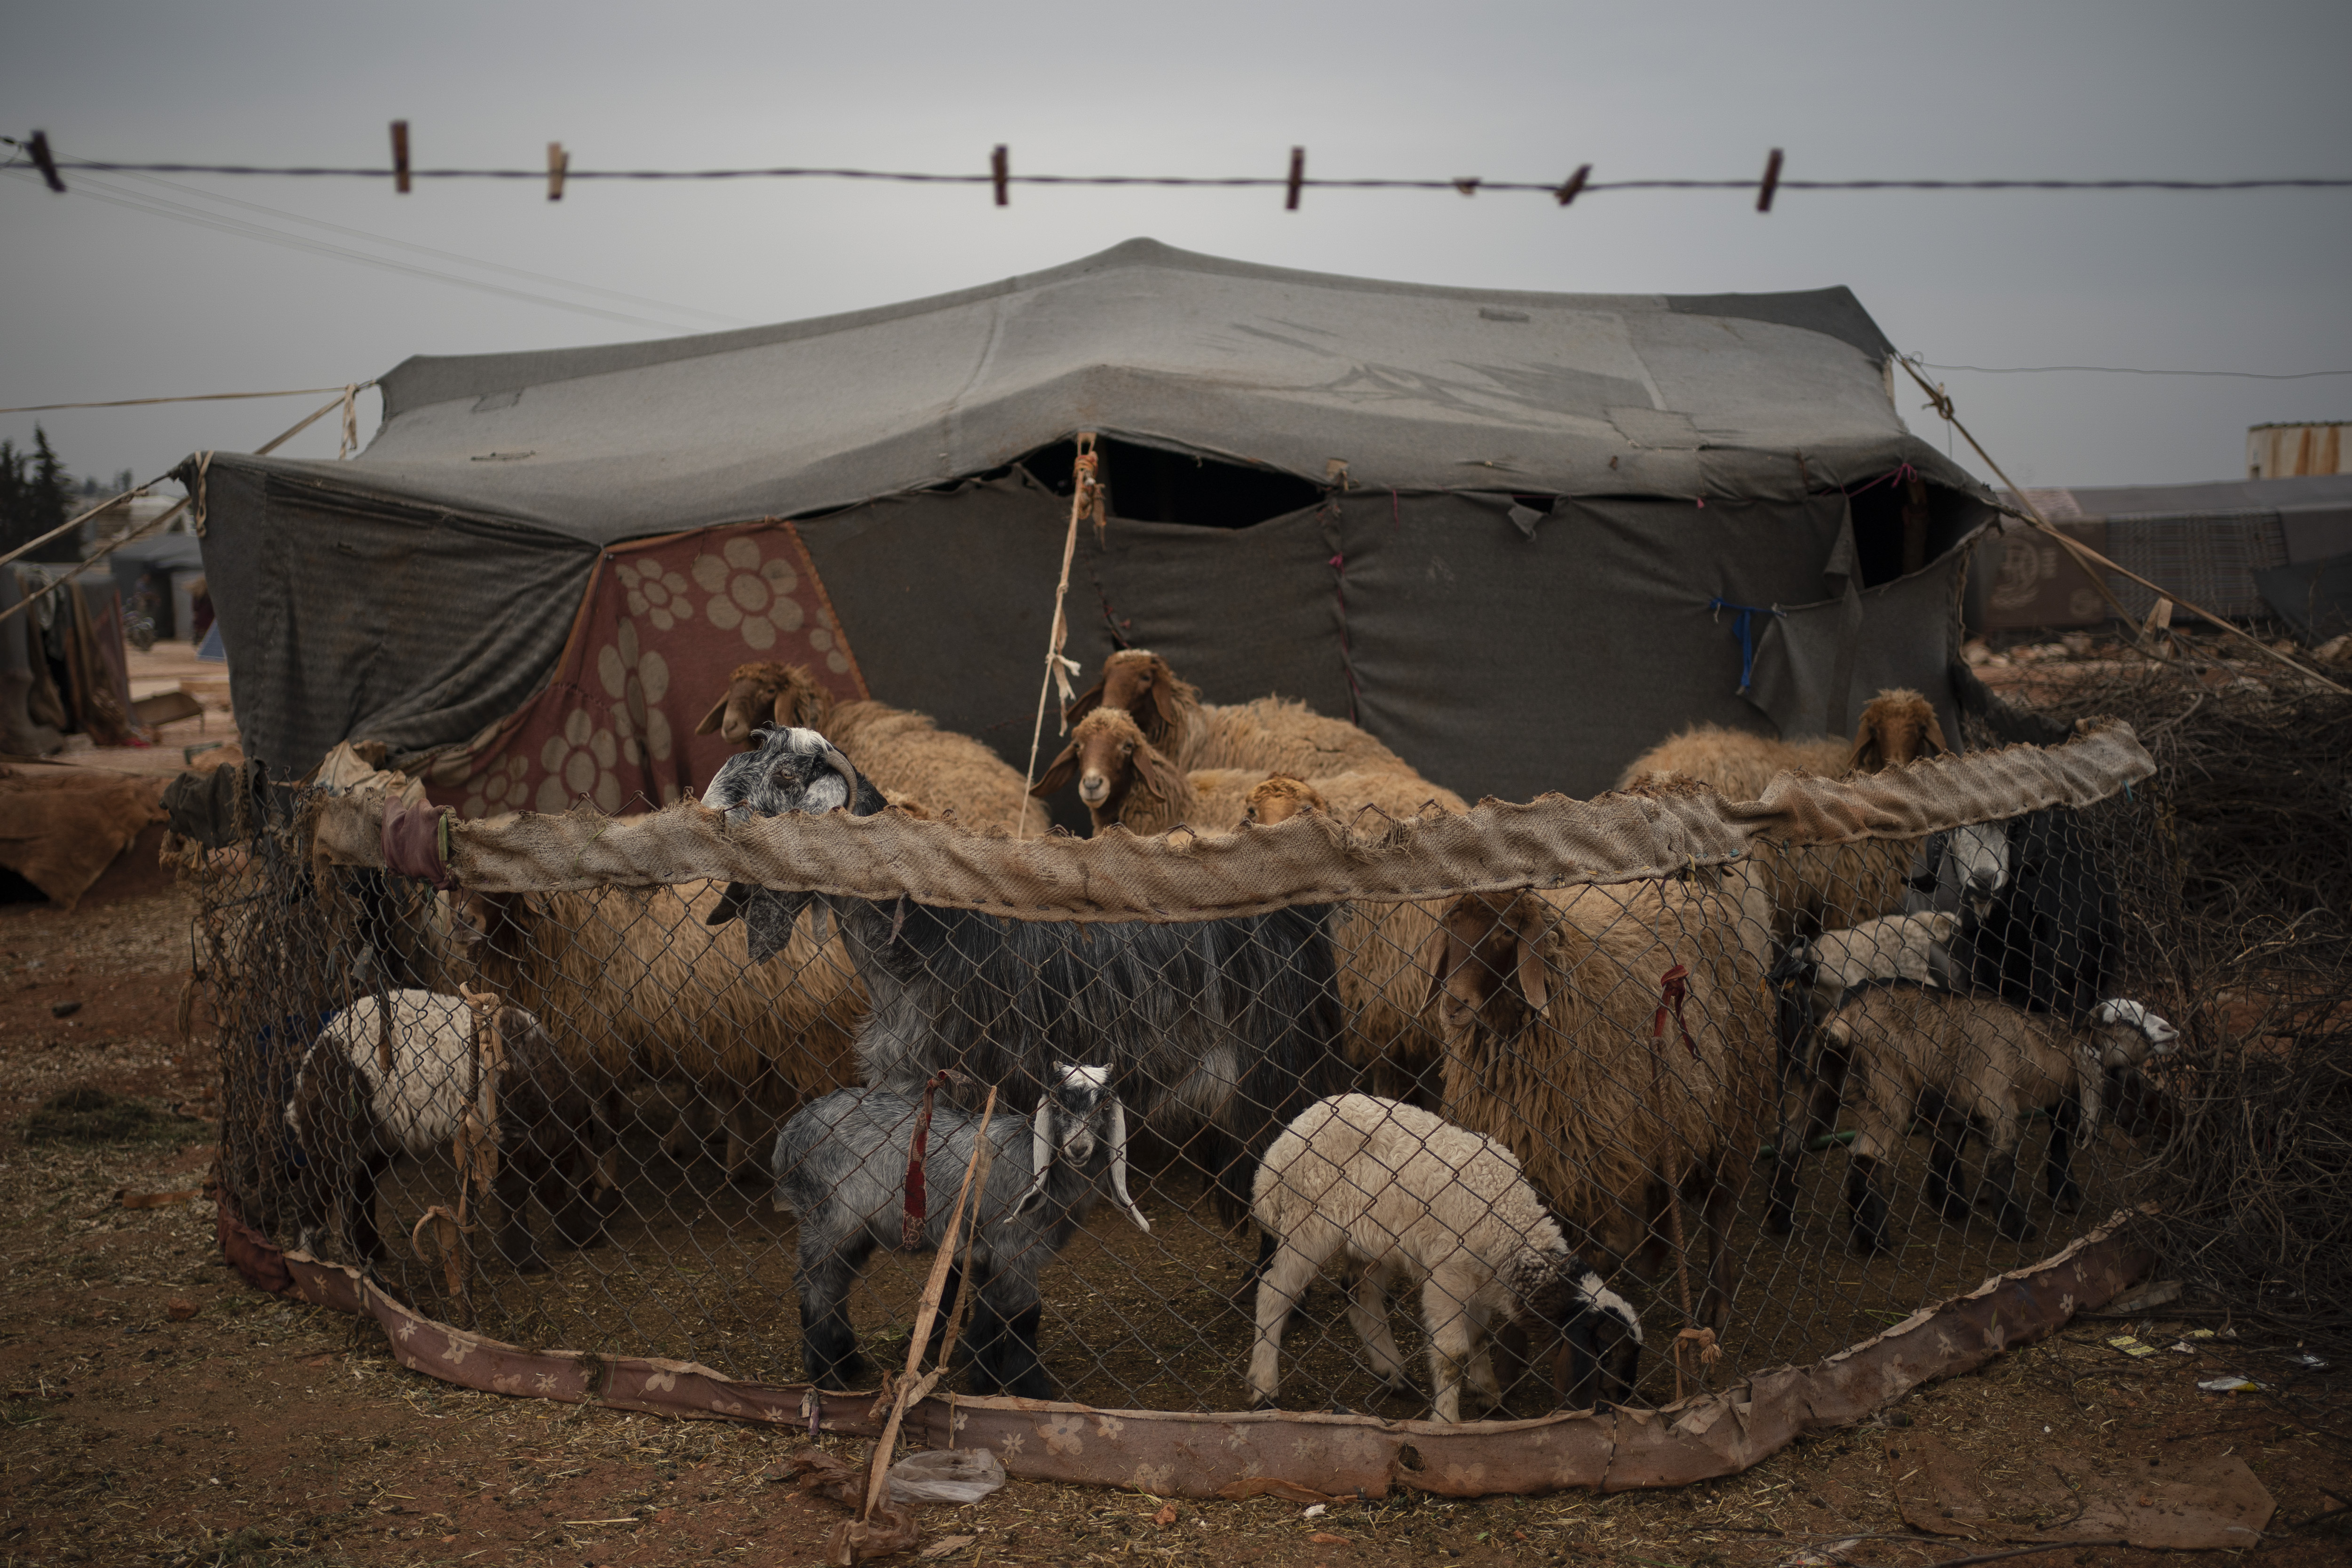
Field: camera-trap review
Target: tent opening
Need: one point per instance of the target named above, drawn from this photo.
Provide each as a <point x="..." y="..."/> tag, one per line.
<point x="1151" y="484"/>
<point x="1881" y="527"/>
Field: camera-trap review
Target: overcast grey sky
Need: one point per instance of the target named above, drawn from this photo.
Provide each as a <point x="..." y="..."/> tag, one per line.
<point x="98" y="301"/>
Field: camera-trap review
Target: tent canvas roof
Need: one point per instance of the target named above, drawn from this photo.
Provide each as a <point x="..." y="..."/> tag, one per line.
<point x="1415" y="388"/>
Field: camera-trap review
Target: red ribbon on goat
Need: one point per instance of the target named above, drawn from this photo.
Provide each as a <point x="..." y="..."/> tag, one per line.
<point x="916" y="1206"/>
<point x="1674" y="989"/>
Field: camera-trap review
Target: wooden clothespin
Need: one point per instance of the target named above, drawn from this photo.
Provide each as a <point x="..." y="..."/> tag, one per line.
<point x="1771" y="182"/>
<point x="400" y="156"/>
<point x="45" y="161"/>
<point x="1467" y="184"/>
<point x="1567" y="192"/>
<point x="558" y="161"/>
<point x="999" y="170"/>
<point x="1297" y="178"/>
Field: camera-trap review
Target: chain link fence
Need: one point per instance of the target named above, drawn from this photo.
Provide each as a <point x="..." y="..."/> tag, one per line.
<point x="1521" y="1140"/>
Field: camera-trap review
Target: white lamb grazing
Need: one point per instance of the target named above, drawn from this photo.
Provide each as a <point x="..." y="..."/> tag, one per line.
<point x="1409" y="1197"/>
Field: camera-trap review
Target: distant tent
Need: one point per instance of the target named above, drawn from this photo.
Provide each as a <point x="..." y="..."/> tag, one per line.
<point x="1518" y="536"/>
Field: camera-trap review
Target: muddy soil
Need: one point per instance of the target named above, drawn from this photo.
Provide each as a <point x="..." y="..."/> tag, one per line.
<point x="157" y="1410"/>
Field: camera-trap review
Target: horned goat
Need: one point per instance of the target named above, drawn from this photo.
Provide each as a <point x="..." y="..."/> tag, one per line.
<point x="1272" y="734"/>
<point x="910" y="758"/>
<point x="842" y="1164"/>
<point x="400" y="1074"/>
<point x="1227" y="1024"/>
<point x="1408" y="1198"/>
<point x="1978" y="1063"/>
<point x="1614" y="1039"/>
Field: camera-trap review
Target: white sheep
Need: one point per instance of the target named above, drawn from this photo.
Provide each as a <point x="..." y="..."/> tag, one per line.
<point x="1407" y="1198"/>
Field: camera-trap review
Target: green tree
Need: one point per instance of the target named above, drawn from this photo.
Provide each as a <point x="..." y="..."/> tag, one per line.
<point x="35" y="496"/>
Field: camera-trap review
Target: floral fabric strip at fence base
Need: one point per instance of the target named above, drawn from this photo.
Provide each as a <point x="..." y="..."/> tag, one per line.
<point x="1209" y="1453"/>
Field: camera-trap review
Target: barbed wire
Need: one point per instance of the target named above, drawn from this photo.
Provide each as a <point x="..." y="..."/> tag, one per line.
<point x="559" y="171"/>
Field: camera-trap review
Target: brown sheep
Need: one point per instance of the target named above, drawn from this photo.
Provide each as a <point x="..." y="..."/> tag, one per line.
<point x="1825" y="887"/>
<point x="909" y="758"/>
<point x="1272" y="734"/>
<point x="1391" y="1035"/>
<point x="1123" y="780"/>
<point x="1616" y="1041"/>
<point x="635" y="988"/>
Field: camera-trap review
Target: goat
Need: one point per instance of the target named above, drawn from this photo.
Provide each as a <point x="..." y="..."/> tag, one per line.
<point x="1228" y="1023"/>
<point x="1973" y="1061"/>
<point x="841" y="1166"/>
<point x="1409" y="1198"/>
<point x="912" y="758"/>
<point x="399" y="1074"/>
<point x="1123" y="780"/>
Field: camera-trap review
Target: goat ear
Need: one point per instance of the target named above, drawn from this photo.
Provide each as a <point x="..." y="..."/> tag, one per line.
<point x="712" y="719"/>
<point x="1084" y="703"/>
<point x="1936" y="742"/>
<point x="1058" y="773"/>
<point x="1535" y="979"/>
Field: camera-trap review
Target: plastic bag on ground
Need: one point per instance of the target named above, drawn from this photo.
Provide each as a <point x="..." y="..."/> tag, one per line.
<point x="946" y="1475"/>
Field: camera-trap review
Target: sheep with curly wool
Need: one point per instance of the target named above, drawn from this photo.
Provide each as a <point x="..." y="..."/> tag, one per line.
<point x="1389" y="1032"/>
<point x="1407" y="1198"/>
<point x="1228" y="1026"/>
<point x="904" y="753"/>
<point x="1828" y="886"/>
<point x="400" y="1074"/>
<point x="638" y="988"/>
<point x="1271" y="735"/>
<point x="841" y="1166"/>
<point x="1979" y="1065"/>
<point x="1615" y="1040"/>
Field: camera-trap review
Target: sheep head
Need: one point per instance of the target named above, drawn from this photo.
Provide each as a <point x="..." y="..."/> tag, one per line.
<point x="1487" y="962"/>
<point x="1980" y="854"/>
<point x="1112" y="758"/>
<point x="1078" y="1112"/>
<point x="1898" y="726"/>
<point x="784" y="695"/>
<point x="1279" y="797"/>
<point x="786" y="771"/>
<point x="2123" y="1034"/>
<point x="1139" y="681"/>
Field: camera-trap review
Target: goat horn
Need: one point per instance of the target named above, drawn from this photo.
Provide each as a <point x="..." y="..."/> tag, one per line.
<point x="836" y="759"/>
<point x="1041" y="1155"/>
<point x="1119" y="1165"/>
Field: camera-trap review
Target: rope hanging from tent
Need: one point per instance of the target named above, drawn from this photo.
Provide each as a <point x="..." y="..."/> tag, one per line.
<point x="1085" y="501"/>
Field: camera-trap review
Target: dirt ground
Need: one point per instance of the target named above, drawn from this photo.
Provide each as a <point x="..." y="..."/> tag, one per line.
<point x="157" y="1410"/>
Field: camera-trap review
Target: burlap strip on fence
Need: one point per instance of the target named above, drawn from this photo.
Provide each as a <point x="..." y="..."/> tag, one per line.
<point x="1550" y="842"/>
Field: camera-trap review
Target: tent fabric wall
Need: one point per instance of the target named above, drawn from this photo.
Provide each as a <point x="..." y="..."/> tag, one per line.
<point x="348" y="616"/>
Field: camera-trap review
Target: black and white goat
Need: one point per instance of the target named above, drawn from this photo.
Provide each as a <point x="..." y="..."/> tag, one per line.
<point x="399" y="1074"/>
<point x="1230" y="1026"/>
<point x="841" y="1166"/>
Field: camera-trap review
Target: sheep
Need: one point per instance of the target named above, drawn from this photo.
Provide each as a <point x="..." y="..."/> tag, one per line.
<point x="1408" y="1197"/>
<point x="1614" y="1039"/>
<point x="400" y="1074"/>
<point x="638" y="988"/>
<point x="1896" y="726"/>
<point x="841" y="1166"/>
<point x="2047" y="938"/>
<point x="1961" y="870"/>
<point x="1976" y="1062"/>
<point x="1272" y="734"/>
<point x="912" y="758"/>
<point x="1831" y="886"/>
<point x="1124" y="780"/>
<point x="1809" y="981"/>
<point x="1231" y="1025"/>
<point x="1386" y="1031"/>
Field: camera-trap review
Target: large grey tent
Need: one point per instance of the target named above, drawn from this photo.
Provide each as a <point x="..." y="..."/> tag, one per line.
<point x="1520" y="536"/>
